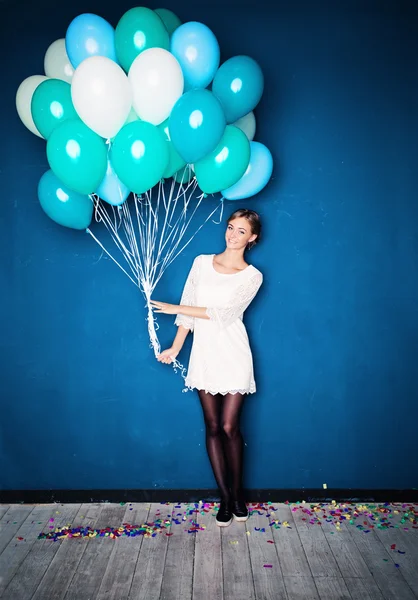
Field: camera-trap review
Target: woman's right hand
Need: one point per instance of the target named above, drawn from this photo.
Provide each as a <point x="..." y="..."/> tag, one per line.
<point x="168" y="355"/>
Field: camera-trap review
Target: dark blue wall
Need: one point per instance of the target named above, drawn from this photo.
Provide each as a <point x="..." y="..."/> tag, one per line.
<point x="335" y="329"/>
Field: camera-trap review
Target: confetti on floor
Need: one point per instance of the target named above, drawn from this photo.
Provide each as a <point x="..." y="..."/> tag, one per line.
<point x="365" y="517"/>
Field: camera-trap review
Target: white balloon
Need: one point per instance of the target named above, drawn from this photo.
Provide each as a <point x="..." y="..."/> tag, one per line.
<point x="24" y="100"/>
<point x="56" y="62"/>
<point x="247" y="125"/>
<point x="157" y="83"/>
<point x="101" y="95"/>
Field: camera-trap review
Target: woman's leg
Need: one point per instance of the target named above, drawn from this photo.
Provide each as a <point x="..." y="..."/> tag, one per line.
<point x="234" y="443"/>
<point x="211" y="406"/>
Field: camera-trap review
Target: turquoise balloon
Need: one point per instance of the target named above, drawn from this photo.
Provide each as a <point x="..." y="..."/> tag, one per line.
<point x="256" y="176"/>
<point x="77" y="156"/>
<point x="170" y="20"/>
<point x="139" y="156"/>
<point x="197" y="123"/>
<point x="52" y="105"/>
<point x="184" y="175"/>
<point x="64" y="206"/>
<point x="139" y="29"/>
<point x="225" y="165"/>
<point x="238" y="84"/>
<point x="175" y="161"/>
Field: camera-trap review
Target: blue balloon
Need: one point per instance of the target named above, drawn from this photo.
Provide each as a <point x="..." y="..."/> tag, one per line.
<point x="197" y="50"/>
<point x="62" y="205"/>
<point x="239" y="85"/>
<point x="89" y="35"/>
<point x="196" y="124"/>
<point x="112" y="190"/>
<point x="256" y="176"/>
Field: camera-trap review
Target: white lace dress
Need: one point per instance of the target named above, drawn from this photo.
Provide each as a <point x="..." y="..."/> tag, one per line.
<point x="220" y="361"/>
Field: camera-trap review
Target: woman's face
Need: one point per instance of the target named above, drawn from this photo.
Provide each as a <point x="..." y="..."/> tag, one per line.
<point x="238" y="234"/>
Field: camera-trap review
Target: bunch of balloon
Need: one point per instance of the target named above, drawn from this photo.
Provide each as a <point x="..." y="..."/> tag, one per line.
<point x="128" y="109"/>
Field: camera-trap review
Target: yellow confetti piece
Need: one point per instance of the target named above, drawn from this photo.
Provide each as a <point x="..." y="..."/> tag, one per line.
<point x="324" y="485"/>
<point x="233" y="543"/>
<point x="248" y="532"/>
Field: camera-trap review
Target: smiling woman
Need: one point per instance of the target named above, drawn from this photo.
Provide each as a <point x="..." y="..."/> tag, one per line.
<point x="218" y="290"/>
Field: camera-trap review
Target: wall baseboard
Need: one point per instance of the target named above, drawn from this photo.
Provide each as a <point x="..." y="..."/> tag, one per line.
<point x="209" y="495"/>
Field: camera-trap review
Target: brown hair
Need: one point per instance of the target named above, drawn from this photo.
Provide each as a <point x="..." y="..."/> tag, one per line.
<point x="253" y="219"/>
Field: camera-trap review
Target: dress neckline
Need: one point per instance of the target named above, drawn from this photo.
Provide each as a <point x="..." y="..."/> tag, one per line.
<point x="233" y="274"/>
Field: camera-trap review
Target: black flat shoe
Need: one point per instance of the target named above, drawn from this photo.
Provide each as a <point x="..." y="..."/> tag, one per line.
<point x="239" y="510"/>
<point x="224" y="516"/>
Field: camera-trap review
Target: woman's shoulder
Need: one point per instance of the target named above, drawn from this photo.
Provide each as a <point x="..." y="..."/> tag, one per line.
<point x="255" y="273"/>
<point x="202" y="258"/>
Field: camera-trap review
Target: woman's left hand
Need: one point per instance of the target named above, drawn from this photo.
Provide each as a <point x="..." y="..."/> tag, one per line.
<point x="164" y="308"/>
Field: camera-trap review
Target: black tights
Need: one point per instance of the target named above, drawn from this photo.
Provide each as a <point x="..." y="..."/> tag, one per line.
<point x="224" y="440"/>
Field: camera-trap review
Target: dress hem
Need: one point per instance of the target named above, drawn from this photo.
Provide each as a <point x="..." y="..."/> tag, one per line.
<point x="250" y="390"/>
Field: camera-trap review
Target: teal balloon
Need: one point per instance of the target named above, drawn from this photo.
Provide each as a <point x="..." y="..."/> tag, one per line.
<point x="170" y="20"/>
<point x="197" y="123"/>
<point x="77" y="156"/>
<point x="238" y="84"/>
<point x="139" y="155"/>
<point x="175" y="161"/>
<point x="139" y="28"/>
<point x="225" y="165"/>
<point x="52" y="105"/>
<point x="184" y="175"/>
<point x="64" y="206"/>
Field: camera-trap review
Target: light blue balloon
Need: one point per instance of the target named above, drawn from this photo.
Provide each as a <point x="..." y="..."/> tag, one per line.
<point x="62" y="205"/>
<point x="256" y="176"/>
<point x="197" y="50"/>
<point x="239" y="85"/>
<point x="112" y="190"/>
<point x="196" y="124"/>
<point x="89" y="35"/>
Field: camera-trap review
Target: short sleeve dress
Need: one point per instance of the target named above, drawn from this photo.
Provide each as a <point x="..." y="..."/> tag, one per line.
<point x="221" y="360"/>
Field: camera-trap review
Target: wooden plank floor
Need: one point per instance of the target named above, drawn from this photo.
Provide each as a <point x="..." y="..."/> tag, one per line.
<point x="176" y="552"/>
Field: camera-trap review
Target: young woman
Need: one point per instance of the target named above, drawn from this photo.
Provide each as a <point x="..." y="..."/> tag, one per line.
<point x="218" y="290"/>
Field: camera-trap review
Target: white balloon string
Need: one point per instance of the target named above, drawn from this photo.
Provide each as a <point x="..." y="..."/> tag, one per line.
<point x="104" y="217"/>
<point x="110" y="256"/>
<point x="222" y="213"/>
